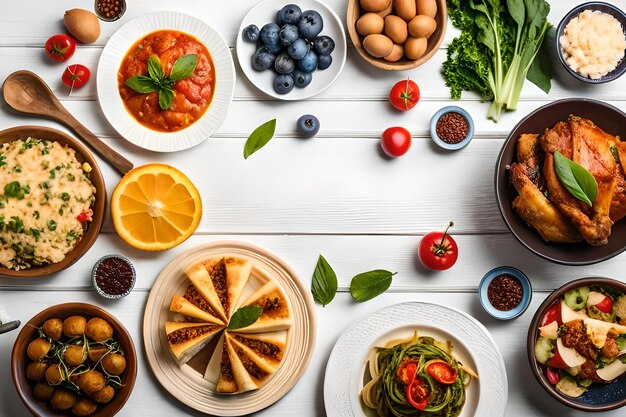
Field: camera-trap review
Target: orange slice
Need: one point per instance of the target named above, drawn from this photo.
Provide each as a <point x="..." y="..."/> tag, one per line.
<point x="155" y="207"/>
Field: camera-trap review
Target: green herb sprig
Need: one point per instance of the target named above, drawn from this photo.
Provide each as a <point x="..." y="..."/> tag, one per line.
<point x="244" y="317"/>
<point x="259" y="138"/>
<point x="324" y="283"/>
<point x="576" y="179"/>
<point x="156" y="80"/>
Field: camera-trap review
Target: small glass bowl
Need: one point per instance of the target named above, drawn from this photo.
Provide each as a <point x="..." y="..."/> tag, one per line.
<point x="527" y="293"/>
<point x="100" y="290"/>
<point x="440" y="142"/>
<point x="110" y="19"/>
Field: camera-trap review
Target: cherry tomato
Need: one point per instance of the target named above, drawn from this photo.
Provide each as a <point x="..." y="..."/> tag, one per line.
<point x="557" y="361"/>
<point x="606" y="305"/>
<point x="406" y="371"/>
<point x="417" y="393"/>
<point x="438" y="250"/>
<point x="75" y="76"/>
<point x="395" y="141"/>
<point x="60" y="47"/>
<point x="553" y="314"/>
<point x="404" y="95"/>
<point x="441" y="371"/>
<point x="552" y="375"/>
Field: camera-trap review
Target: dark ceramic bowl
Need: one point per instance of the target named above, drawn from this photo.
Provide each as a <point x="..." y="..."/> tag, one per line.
<point x="602" y="7"/>
<point x="607" y="117"/>
<point x="527" y="293"/>
<point x="599" y="397"/>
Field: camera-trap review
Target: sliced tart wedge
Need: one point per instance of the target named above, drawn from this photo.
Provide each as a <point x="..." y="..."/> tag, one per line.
<point x="276" y="310"/>
<point x="265" y="349"/>
<point x="186" y="339"/>
<point x="226" y="381"/>
<point x="249" y="373"/>
<point x="192" y="304"/>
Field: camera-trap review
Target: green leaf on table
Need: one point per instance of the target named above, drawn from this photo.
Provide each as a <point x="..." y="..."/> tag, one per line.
<point x="576" y="179"/>
<point x="183" y="67"/>
<point x="166" y="96"/>
<point x="368" y="285"/>
<point x="155" y="70"/>
<point x="142" y="84"/>
<point x="244" y="317"/>
<point x="324" y="282"/>
<point x="259" y="138"/>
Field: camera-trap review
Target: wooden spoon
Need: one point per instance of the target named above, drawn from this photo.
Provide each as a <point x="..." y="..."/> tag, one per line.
<point x="25" y="92"/>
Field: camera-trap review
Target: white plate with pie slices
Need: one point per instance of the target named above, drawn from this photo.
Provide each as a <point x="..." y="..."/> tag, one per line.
<point x="186" y="381"/>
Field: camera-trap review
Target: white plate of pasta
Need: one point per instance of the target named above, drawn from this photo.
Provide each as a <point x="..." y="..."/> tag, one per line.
<point x="428" y="337"/>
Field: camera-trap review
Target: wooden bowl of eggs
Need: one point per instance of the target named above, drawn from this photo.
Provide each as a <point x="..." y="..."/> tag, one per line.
<point x="397" y="35"/>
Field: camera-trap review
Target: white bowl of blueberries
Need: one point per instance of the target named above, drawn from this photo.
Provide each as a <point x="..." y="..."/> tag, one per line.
<point x="291" y="51"/>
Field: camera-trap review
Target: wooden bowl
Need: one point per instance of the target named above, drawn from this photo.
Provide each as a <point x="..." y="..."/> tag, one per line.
<point x="93" y="229"/>
<point x="434" y="41"/>
<point x="19" y="359"/>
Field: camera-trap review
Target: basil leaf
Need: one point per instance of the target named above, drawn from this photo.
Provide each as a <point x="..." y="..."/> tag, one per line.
<point x="166" y="96"/>
<point x="142" y="84"/>
<point x="155" y="69"/>
<point x="324" y="282"/>
<point x="244" y="316"/>
<point x="368" y="285"/>
<point x="576" y="179"/>
<point x="183" y="67"/>
<point x="259" y="138"/>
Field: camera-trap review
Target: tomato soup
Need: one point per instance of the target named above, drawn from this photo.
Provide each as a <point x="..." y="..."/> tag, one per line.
<point x="192" y="95"/>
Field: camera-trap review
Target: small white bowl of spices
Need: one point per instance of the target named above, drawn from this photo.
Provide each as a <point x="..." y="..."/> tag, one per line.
<point x="451" y="128"/>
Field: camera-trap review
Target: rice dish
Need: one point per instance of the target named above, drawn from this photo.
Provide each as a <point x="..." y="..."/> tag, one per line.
<point x="45" y="202"/>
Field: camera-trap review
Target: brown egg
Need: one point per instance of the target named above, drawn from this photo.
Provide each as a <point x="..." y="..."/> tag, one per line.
<point x="43" y="392"/>
<point x="396" y="29"/>
<point x="98" y="329"/>
<point x="114" y="363"/>
<point x="84" y="407"/>
<point x="38" y="348"/>
<point x="422" y="26"/>
<point x="96" y="352"/>
<point x="36" y="371"/>
<point x="74" y="355"/>
<point x="370" y="23"/>
<point x="82" y="24"/>
<point x="387" y="11"/>
<point x="378" y="46"/>
<point x="415" y="47"/>
<point x="91" y="381"/>
<point x="374" y="5"/>
<point x="74" y="326"/>
<point x="63" y="399"/>
<point x="405" y="9"/>
<point x="53" y="328"/>
<point x="427" y="7"/>
<point x="103" y="396"/>
<point x="396" y="54"/>
<point x="54" y="374"/>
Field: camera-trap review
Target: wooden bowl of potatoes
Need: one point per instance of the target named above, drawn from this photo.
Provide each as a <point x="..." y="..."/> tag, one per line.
<point x="397" y="35"/>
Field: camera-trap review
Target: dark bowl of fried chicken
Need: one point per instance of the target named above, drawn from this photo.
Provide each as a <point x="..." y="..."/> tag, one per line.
<point x="539" y="170"/>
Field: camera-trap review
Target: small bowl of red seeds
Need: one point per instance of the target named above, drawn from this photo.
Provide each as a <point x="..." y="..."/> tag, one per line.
<point x="113" y="276"/>
<point x="451" y="128"/>
<point x="505" y="293"/>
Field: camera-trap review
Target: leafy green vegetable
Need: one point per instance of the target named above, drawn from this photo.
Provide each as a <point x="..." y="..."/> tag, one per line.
<point x="368" y="285"/>
<point x="497" y="50"/>
<point x="244" y="316"/>
<point x="324" y="282"/>
<point x="157" y="80"/>
<point x="259" y="138"/>
<point x="576" y="179"/>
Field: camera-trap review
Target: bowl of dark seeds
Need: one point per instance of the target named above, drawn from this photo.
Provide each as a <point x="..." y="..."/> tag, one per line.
<point x="505" y="293"/>
<point x="451" y="128"/>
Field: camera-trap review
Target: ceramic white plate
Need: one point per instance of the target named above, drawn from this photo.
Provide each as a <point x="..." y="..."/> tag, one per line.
<point x="112" y="104"/>
<point x="265" y="12"/>
<point x="187" y="384"/>
<point x="472" y="345"/>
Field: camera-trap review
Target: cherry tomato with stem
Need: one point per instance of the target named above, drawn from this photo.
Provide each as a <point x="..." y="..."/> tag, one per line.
<point x="441" y="371"/>
<point x="395" y="141"/>
<point x="404" y="95"/>
<point x="75" y="76"/>
<point x="438" y="251"/>
<point x="417" y="393"/>
<point x="60" y="47"/>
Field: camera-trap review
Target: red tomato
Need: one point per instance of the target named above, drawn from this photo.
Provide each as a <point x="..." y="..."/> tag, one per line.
<point x="557" y="361"/>
<point x="553" y="314"/>
<point x="75" y="76"/>
<point x="395" y="141"/>
<point x="441" y="371"/>
<point x="606" y="305"/>
<point x="438" y="250"/>
<point x="60" y="47"/>
<point x="417" y="393"/>
<point x="406" y="371"/>
<point x="404" y="95"/>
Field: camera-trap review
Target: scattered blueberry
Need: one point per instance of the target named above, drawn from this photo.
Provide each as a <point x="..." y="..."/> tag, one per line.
<point x="269" y="37"/>
<point x="279" y="18"/>
<point x="323" y="45"/>
<point x="284" y="64"/>
<point x="324" y="61"/>
<point x="301" y="78"/>
<point x="288" y="34"/>
<point x="298" y="49"/>
<point x="310" y="24"/>
<point x="283" y="83"/>
<point x="251" y="33"/>
<point x="309" y="62"/>
<point x="262" y="59"/>
<point x="290" y="14"/>
<point x="308" y="125"/>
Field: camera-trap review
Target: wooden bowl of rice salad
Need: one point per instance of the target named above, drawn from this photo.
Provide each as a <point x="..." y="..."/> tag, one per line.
<point x="52" y="200"/>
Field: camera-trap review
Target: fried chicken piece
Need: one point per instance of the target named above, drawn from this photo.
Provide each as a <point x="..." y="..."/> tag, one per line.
<point x="610" y="349"/>
<point x="574" y="336"/>
<point x="588" y="371"/>
<point x="618" y="203"/>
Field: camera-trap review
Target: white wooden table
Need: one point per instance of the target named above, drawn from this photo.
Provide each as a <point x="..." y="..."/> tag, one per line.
<point x="333" y="195"/>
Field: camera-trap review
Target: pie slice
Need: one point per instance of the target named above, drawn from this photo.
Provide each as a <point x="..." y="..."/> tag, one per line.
<point x="192" y="304"/>
<point x="226" y="382"/>
<point x="276" y="311"/>
<point x="249" y="374"/>
<point x="265" y="349"/>
<point x="186" y="339"/>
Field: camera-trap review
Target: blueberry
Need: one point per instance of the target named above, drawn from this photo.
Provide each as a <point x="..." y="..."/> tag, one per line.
<point x="283" y="83"/>
<point x="269" y="37"/>
<point x="309" y="62"/>
<point x="308" y="125"/>
<point x="323" y="45"/>
<point x="290" y="14"/>
<point x="284" y="64"/>
<point x="262" y="59"/>
<point x="251" y="33"/>
<point x="298" y="49"/>
<point x="288" y="34"/>
<point x="279" y="18"/>
<point x="301" y="78"/>
<point x="324" y="61"/>
<point x="310" y="25"/>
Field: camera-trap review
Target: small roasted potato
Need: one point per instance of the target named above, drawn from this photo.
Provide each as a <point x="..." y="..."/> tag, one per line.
<point x="396" y="54"/>
<point x="84" y="407"/>
<point x="38" y="348"/>
<point x="74" y="355"/>
<point x="74" y="326"/>
<point x="114" y="363"/>
<point x="63" y="399"/>
<point x="396" y="29"/>
<point x="369" y="23"/>
<point x="405" y="9"/>
<point x="378" y="46"/>
<point x="53" y="328"/>
<point x="427" y="7"/>
<point x="96" y="352"/>
<point x="91" y="381"/>
<point x="103" y="396"/>
<point x="36" y="371"/>
<point x="374" y="5"/>
<point x="415" y="47"/>
<point x="43" y="392"/>
<point x="54" y="374"/>
<point x="98" y="329"/>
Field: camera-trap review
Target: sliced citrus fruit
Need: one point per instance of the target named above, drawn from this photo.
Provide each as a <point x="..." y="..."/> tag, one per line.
<point x="155" y="207"/>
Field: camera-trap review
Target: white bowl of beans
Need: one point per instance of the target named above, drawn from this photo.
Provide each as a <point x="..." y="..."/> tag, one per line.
<point x="451" y="128"/>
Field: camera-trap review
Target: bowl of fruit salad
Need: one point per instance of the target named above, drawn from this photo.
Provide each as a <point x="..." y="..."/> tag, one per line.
<point x="291" y="51"/>
<point x="577" y="341"/>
